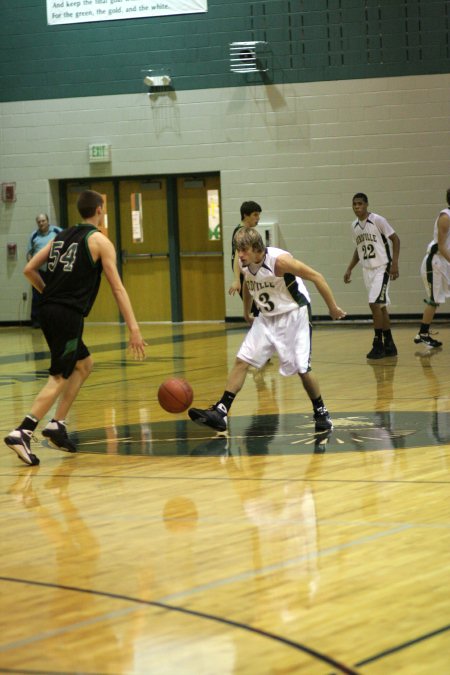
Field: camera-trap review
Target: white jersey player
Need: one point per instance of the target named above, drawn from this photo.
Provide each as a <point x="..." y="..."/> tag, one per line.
<point x="377" y="248"/>
<point x="273" y="279"/>
<point x="370" y="236"/>
<point x="435" y="271"/>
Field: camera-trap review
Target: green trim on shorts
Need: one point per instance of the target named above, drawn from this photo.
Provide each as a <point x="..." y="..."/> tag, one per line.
<point x="71" y="346"/>
<point x="431" y="303"/>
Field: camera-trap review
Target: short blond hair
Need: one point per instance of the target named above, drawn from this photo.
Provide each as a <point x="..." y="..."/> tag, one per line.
<point x="248" y="237"/>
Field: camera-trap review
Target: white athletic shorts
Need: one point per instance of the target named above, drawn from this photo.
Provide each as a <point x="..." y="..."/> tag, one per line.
<point x="376" y="280"/>
<point x="436" y="279"/>
<point x="288" y="335"/>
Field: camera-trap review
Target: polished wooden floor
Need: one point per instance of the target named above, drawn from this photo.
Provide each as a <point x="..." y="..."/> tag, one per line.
<point x="161" y="548"/>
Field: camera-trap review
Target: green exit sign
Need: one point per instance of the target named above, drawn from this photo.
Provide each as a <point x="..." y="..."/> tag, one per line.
<point x="99" y="152"/>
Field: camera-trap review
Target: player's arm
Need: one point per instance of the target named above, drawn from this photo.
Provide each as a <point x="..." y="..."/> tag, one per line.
<point x="247" y="300"/>
<point x="31" y="269"/>
<point x="236" y="285"/>
<point x="285" y="264"/>
<point x="443" y="227"/>
<point x="395" y="254"/>
<point x="353" y="262"/>
<point x="30" y="248"/>
<point x="102" y="248"/>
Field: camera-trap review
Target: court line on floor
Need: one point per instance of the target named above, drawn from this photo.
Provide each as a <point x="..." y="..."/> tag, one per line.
<point x="403" y="645"/>
<point x="290" y="479"/>
<point x="159" y="477"/>
<point x="191" y="612"/>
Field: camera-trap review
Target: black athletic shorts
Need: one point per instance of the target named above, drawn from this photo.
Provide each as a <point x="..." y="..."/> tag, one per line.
<point x="63" y="330"/>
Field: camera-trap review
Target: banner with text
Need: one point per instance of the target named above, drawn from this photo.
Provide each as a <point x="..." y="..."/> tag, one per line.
<point x="79" y="11"/>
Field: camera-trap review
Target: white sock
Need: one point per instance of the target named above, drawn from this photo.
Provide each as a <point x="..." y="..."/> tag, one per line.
<point x="53" y="424"/>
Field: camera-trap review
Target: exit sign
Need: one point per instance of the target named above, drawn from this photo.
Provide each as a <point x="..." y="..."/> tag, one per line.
<point x="99" y="152"/>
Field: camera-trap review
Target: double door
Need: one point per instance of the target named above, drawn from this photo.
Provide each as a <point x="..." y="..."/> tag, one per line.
<point x="169" y="257"/>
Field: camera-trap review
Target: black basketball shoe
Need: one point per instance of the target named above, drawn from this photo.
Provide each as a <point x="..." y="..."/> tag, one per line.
<point x="389" y="348"/>
<point x="377" y="351"/>
<point x="19" y="441"/>
<point x="211" y="417"/>
<point x="56" y="434"/>
<point x="322" y="419"/>
<point x="426" y="339"/>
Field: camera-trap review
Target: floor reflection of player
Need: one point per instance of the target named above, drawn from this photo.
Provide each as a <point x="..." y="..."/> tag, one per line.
<point x="440" y="404"/>
<point x="384" y="426"/>
<point x="146" y="432"/>
<point x="112" y="443"/>
<point x="213" y="447"/>
<point x="72" y="556"/>
<point x="180" y="514"/>
<point x="380" y="443"/>
<point x="282" y="520"/>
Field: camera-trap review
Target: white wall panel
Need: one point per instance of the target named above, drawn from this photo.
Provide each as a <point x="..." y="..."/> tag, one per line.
<point x="301" y="150"/>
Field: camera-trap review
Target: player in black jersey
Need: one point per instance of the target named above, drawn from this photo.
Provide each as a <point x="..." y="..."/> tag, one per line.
<point x="75" y="260"/>
<point x="250" y="215"/>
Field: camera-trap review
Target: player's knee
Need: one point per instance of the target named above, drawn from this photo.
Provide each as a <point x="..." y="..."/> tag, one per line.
<point x="242" y="365"/>
<point x="85" y="366"/>
<point x="55" y="380"/>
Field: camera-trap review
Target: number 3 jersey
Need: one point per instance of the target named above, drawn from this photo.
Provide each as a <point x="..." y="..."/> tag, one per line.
<point x="271" y="294"/>
<point x="371" y="237"/>
<point x="73" y="277"/>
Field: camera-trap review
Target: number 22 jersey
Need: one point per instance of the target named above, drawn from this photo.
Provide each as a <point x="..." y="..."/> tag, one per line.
<point x="371" y="237"/>
<point x="274" y="295"/>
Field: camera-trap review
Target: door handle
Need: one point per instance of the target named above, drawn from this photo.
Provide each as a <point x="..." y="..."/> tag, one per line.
<point x="204" y="254"/>
<point x="141" y="256"/>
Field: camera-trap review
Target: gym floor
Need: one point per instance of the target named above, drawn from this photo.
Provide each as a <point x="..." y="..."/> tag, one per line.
<point x="163" y="547"/>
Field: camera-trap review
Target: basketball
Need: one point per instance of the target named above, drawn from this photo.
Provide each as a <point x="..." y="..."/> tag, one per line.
<point x="175" y="395"/>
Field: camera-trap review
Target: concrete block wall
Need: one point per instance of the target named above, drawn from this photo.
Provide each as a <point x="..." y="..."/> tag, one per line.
<point x="300" y="149"/>
<point x="307" y="41"/>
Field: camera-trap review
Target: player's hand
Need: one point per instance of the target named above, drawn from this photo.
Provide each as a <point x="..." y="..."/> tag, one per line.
<point x="234" y="288"/>
<point x="137" y="345"/>
<point x="337" y="313"/>
<point x="347" y="276"/>
<point x="394" y="273"/>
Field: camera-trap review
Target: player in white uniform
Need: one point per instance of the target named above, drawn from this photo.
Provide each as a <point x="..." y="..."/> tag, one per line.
<point x="435" y="271"/>
<point x="372" y="235"/>
<point x="273" y="279"/>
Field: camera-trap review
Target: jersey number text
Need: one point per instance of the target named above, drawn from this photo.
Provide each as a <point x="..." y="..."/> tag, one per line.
<point x="67" y="259"/>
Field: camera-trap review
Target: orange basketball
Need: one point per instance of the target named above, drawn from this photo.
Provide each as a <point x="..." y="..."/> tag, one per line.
<point x="175" y="395"/>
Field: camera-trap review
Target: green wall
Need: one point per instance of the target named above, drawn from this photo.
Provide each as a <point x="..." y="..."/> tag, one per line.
<point x="309" y="40"/>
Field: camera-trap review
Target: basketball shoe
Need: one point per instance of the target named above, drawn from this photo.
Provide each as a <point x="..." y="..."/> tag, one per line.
<point x="426" y="339"/>
<point x="56" y="434"/>
<point x="377" y="351"/>
<point x="214" y="417"/>
<point x="322" y="419"/>
<point x="389" y="348"/>
<point x="19" y="441"/>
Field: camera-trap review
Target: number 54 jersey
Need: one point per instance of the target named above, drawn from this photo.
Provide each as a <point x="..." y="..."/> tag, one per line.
<point x="73" y="278"/>
<point x="371" y="237"/>
<point x="274" y="295"/>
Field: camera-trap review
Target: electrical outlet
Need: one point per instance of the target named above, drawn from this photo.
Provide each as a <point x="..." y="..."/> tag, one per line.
<point x="24" y="295"/>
